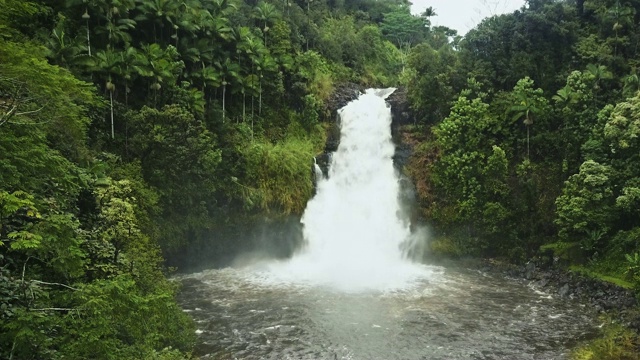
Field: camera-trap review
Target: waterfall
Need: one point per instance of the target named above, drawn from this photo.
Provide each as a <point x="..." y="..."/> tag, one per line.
<point x="353" y="226"/>
<point x="317" y="171"/>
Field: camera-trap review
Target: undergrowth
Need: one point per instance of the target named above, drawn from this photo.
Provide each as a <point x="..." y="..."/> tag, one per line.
<point x="616" y="343"/>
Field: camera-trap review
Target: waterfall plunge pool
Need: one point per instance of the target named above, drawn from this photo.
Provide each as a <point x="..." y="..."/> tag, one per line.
<point x="351" y="293"/>
<point x="449" y="314"/>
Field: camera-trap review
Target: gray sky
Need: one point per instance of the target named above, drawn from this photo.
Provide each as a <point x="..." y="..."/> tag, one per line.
<point x="463" y="15"/>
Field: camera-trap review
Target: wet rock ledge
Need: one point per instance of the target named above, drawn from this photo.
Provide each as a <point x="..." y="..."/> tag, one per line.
<point x="342" y="95"/>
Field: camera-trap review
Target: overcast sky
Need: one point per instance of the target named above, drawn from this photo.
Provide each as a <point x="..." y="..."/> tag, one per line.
<point x="464" y="15"/>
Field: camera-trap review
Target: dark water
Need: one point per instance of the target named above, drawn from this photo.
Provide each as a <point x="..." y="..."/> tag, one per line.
<point x="450" y="314"/>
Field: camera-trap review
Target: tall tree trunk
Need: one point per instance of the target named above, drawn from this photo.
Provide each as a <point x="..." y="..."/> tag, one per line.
<point x="126" y="137"/>
<point x="528" y="154"/>
<point x="224" y="93"/>
<point x="111" y="98"/>
<point x="204" y="82"/>
<point x="580" y="7"/>
<point x="264" y="32"/>
<point x="88" y="39"/>
<point x="308" y="24"/>
<point x="260" y="100"/>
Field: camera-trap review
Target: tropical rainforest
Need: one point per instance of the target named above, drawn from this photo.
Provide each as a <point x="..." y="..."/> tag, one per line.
<point x="133" y="129"/>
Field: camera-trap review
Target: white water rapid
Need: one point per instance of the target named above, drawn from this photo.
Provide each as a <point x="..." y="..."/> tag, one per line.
<point x="353" y="227"/>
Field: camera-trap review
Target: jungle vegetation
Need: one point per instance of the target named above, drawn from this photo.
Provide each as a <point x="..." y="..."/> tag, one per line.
<point x="528" y="136"/>
<point x="132" y="129"/>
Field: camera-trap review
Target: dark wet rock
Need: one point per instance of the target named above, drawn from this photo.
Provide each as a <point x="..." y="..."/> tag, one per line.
<point x="403" y="152"/>
<point x="323" y="160"/>
<point x="530" y="269"/>
<point x="242" y="354"/>
<point x="342" y="95"/>
<point x="207" y="348"/>
<point x="400" y="110"/>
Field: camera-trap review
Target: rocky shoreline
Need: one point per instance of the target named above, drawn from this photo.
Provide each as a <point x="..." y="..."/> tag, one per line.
<point x="605" y="297"/>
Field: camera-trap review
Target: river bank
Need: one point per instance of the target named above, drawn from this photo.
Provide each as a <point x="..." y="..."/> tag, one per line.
<point x="618" y="307"/>
<point x="557" y="274"/>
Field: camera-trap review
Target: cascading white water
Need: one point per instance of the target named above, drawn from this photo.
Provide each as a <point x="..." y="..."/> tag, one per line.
<point x="353" y="227"/>
<point x="317" y="171"/>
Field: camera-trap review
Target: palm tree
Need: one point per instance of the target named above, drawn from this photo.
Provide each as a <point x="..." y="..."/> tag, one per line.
<point x="427" y="14"/>
<point x="199" y="57"/>
<point x="620" y="16"/>
<point x="85" y="16"/>
<point x="129" y="60"/>
<point x="230" y="74"/>
<point x="108" y="62"/>
<point x="564" y="95"/>
<point x="253" y="50"/>
<point x="249" y="49"/>
<point x="251" y="85"/>
<point x="158" y="64"/>
<point x="159" y="12"/>
<point x="207" y="76"/>
<point x="240" y="37"/>
<point x="631" y="84"/>
<point x="219" y="7"/>
<point x="308" y="23"/>
<point x="117" y="30"/>
<point x="525" y="108"/>
<point x="266" y="13"/>
<point x="599" y="73"/>
<point x="63" y="51"/>
<point x="217" y="27"/>
<point x="188" y="20"/>
<point x="264" y="64"/>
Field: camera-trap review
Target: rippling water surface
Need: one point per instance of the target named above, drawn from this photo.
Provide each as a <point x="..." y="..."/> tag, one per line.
<point x="447" y="314"/>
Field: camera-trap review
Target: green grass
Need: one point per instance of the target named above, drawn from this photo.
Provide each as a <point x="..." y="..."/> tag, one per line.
<point x="614" y="279"/>
<point x="609" y="268"/>
<point x="567" y="251"/>
<point x="615" y="343"/>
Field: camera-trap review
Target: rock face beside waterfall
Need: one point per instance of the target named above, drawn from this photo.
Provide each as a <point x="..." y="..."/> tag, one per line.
<point x="400" y="110"/>
<point x="342" y="95"/>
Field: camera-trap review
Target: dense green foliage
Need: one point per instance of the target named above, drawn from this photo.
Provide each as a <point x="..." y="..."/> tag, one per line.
<point x="527" y="143"/>
<point x="617" y="343"/>
<point x="133" y="129"/>
<point x="75" y="260"/>
<point x="532" y="122"/>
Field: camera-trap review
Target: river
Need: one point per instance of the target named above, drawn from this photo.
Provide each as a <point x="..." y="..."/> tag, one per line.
<point x="452" y="314"/>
